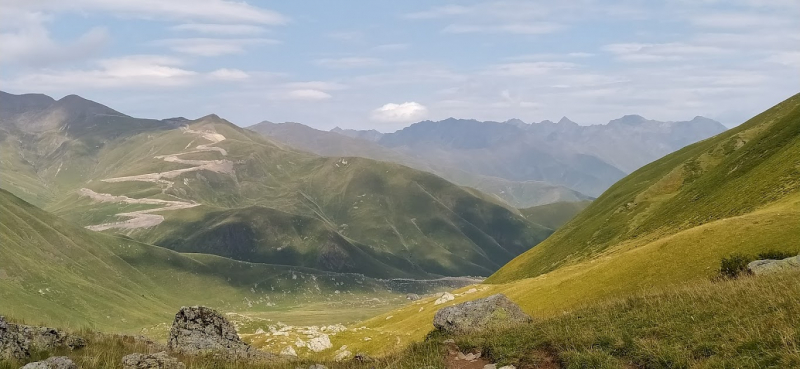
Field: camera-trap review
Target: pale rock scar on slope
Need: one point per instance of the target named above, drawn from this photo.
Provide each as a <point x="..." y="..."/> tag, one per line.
<point x="146" y="218"/>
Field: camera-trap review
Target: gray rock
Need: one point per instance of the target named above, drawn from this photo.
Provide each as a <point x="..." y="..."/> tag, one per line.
<point x="495" y="311"/>
<point x="317" y="366"/>
<point x="412" y="296"/>
<point x="151" y="361"/>
<point x="761" y="267"/>
<point x="12" y="345"/>
<point x="201" y="330"/>
<point x="17" y="340"/>
<point x="57" y="362"/>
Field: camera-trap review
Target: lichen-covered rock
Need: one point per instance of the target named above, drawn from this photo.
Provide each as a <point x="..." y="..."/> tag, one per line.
<point x="412" y="296"/>
<point x="492" y="312"/>
<point x="57" y="362"/>
<point x="761" y="267"/>
<point x="151" y="361"/>
<point x="202" y="330"/>
<point x="319" y="343"/>
<point x="17" y="340"/>
<point x="12" y="345"/>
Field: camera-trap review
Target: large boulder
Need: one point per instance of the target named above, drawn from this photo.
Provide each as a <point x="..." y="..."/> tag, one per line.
<point x="57" y="362"/>
<point x="151" y="361"/>
<point x="12" y="345"/>
<point x="761" y="267"/>
<point x="17" y="340"/>
<point x="495" y="311"/>
<point x="201" y="330"/>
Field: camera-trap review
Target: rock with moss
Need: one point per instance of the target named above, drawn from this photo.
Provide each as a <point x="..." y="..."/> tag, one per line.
<point x="57" y="362"/>
<point x="199" y="330"/>
<point x="17" y="340"/>
<point x="495" y="311"/>
<point x="151" y="361"/>
<point x="761" y="267"/>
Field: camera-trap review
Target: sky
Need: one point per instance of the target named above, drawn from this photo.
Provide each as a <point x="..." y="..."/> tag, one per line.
<point x="378" y="64"/>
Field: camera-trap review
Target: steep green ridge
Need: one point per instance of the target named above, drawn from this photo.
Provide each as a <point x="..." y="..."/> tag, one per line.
<point x="554" y="215"/>
<point x="56" y="273"/>
<point x="209" y="186"/>
<point x="729" y="175"/>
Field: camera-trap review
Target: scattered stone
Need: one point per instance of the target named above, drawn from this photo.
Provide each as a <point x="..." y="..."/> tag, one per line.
<point x="151" y="361"/>
<point x="342" y="355"/>
<point x="363" y="358"/>
<point x="412" y="296"/>
<point x="57" y="362"/>
<point x="319" y="343"/>
<point x="762" y="267"/>
<point x="446" y="297"/>
<point x="493" y="311"/>
<point x="17" y="340"/>
<point x="490" y="366"/>
<point x="508" y="367"/>
<point x="317" y="366"/>
<point x="289" y="351"/>
<point x="201" y="330"/>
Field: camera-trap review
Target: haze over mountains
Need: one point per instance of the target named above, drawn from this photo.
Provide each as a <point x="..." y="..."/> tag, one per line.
<point x="209" y="186"/>
<point x="523" y="164"/>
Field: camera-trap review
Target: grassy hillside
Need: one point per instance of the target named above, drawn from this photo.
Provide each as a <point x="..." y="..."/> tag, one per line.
<point x="554" y="215"/>
<point x="574" y="268"/>
<point x="735" y="173"/>
<point x="56" y="273"/>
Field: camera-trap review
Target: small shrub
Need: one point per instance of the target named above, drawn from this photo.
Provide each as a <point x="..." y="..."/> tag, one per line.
<point x="775" y="255"/>
<point x="735" y="265"/>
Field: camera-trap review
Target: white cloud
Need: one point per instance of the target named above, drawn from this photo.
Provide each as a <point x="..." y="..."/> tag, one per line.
<point x="226" y="74"/>
<point x="221" y="29"/>
<point x="212" y="46"/>
<point x="789" y="58"/>
<point x="129" y="71"/>
<point x="349" y="62"/>
<point x="739" y="20"/>
<point x="214" y="10"/>
<point x="27" y="41"/>
<point x="315" y="85"/>
<point x="515" y="28"/>
<point x="308" y="94"/>
<point x="346" y="36"/>
<point x="528" y="68"/>
<point x="439" y="12"/>
<point x="399" y="113"/>
<point x="642" y="52"/>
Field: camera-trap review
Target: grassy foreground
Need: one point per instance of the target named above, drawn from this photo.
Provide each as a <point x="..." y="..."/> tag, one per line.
<point x="752" y="322"/>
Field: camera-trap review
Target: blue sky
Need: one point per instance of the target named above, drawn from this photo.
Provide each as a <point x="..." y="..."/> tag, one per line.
<point x="385" y="64"/>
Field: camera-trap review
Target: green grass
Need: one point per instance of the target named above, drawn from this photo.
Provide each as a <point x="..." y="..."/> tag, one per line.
<point x="747" y="323"/>
<point x="729" y="175"/>
<point x="554" y="215"/>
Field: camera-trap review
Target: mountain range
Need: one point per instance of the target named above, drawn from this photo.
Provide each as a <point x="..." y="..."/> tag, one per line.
<point x="520" y="163"/>
<point x="209" y="186"/>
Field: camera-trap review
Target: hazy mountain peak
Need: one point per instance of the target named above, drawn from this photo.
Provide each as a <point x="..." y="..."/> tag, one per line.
<point x="565" y="120"/>
<point x="628" y="120"/>
<point x="516" y="122"/>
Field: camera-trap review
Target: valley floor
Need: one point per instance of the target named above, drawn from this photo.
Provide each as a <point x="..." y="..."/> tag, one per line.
<point x="752" y="322"/>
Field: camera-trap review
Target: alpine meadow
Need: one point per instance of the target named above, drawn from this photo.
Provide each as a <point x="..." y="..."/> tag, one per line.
<point x="217" y="184"/>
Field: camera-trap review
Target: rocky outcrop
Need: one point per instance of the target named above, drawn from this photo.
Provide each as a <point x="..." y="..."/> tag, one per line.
<point x="761" y="267"/>
<point x="412" y="296"/>
<point x="151" y="361"/>
<point x="445" y="297"/>
<point x="495" y="311"/>
<point x="58" y="362"/>
<point x="202" y="330"/>
<point x="17" y="340"/>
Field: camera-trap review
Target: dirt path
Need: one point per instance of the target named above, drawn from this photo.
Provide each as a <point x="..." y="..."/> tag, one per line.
<point x="146" y="218"/>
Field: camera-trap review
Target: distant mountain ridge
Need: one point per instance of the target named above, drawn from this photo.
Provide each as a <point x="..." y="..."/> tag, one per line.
<point x="517" y="193"/>
<point x="209" y="186"/>
<point x="588" y="159"/>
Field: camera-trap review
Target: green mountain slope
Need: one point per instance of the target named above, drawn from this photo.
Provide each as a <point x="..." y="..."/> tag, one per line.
<point x="209" y="186"/>
<point x="730" y="175"/>
<point x="554" y="215"/>
<point x="518" y="194"/>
